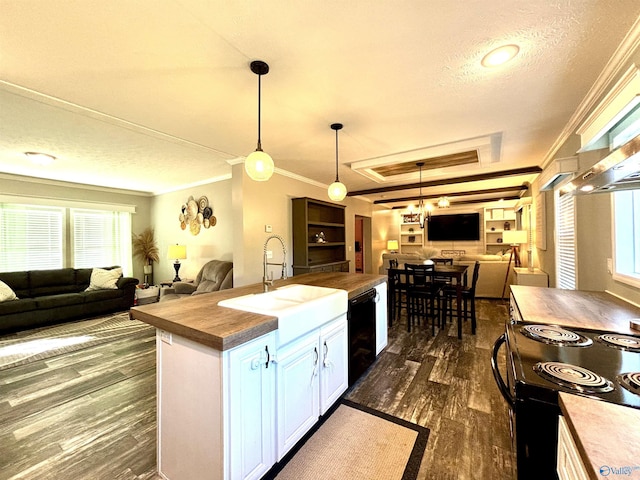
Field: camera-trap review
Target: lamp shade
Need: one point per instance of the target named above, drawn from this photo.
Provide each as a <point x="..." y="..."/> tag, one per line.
<point x="392" y="245"/>
<point x="515" y="237"/>
<point x="177" y="252"/>
<point x="337" y="191"/>
<point x="259" y="166"/>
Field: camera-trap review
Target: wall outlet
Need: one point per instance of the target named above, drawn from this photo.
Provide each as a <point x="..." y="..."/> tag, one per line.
<point x="166" y="337"/>
<point x="268" y="228"/>
<point x="609" y="266"/>
<point x="269" y="254"/>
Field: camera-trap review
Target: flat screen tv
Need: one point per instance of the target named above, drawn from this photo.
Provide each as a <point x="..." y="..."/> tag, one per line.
<point x="463" y="226"/>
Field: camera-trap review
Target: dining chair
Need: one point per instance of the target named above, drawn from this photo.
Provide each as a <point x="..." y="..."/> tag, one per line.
<point x="442" y="261"/>
<point x="397" y="287"/>
<point x="449" y="294"/>
<point x="423" y="295"/>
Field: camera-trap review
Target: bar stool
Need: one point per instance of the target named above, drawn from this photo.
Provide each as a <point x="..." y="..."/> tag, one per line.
<point x="423" y="295"/>
<point x="449" y="294"/>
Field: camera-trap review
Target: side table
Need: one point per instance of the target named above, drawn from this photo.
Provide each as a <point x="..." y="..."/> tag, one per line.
<point x="535" y="278"/>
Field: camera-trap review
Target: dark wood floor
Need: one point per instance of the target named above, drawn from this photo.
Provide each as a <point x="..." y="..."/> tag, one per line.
<point x="91" y="414"/>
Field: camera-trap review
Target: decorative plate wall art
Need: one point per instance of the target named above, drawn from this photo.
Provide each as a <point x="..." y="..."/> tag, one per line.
<point x="196" y="214"/>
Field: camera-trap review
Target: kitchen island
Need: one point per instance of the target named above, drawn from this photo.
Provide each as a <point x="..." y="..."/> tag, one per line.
<point x="597" y="432"/>
<point x="224" y="376"/>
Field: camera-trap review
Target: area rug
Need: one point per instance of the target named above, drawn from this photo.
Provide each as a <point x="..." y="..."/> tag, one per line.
<point x="31" y="345"/>
<point x="358" y="443"/>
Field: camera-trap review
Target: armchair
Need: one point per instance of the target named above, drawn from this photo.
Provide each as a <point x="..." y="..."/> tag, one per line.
<point x="215" y="275"/>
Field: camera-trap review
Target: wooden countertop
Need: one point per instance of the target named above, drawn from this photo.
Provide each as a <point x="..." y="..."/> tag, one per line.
<point x="199" y="318"/>
<point x="575" y="308"/>
<point x="606" y="434"/>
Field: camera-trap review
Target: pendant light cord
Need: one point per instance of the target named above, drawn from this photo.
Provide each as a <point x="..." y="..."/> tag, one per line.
<point x="259" y="103"/>
<point x="337" y="179"/>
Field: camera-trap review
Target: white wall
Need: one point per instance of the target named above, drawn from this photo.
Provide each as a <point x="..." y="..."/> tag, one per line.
<point x="214" y="243"/>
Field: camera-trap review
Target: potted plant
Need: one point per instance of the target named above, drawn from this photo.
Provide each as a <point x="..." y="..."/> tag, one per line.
<point x="145" y="247"/>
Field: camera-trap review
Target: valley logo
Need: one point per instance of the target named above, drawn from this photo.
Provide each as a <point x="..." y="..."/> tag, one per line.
<point x="606" y="470"/>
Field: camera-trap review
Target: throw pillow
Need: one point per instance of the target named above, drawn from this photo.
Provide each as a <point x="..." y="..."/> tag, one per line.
<point x="104" y="279"/>
<point x="6" y="293"/>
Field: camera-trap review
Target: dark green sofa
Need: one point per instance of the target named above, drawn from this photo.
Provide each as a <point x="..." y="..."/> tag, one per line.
<point x="55" y="296"/>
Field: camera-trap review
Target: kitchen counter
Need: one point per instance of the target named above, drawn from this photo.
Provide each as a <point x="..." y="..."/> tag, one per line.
<point x="607" y="435"/>
<point x="575" y="308"/>
<point x="199" y="318"/>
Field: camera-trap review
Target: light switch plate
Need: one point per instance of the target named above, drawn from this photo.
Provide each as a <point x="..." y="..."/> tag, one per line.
<point x="268" y="228"/>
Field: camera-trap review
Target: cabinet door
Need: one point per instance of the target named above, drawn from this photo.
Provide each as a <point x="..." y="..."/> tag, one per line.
<point x="297" y="373"/>
<point x="251" y="407"/>
<point x="381" y="317"/>
<point x="334" y="367"/>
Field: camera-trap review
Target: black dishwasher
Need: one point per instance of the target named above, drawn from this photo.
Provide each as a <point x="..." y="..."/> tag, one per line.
<point x="362" y="334"/>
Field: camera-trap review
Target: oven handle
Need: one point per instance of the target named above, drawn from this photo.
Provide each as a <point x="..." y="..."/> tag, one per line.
<point x="502" y="386"/>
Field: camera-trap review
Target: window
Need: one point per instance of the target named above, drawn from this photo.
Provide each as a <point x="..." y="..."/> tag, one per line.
<point x="626" y="237"/>
<point x="30" y="237"/>
<point x="565" y="241"/>
<point x="37" y="236"/>
<point x="101" y="239"/>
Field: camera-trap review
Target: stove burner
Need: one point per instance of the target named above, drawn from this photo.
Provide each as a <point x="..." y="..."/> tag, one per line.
<point x="630" y="381"/>
<point x="554" y="335"/>
<point x="623" y="342"/>
<point x="573" y="377"/>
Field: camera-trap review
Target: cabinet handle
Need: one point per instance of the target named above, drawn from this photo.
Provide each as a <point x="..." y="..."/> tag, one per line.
<point x="377" y="298"/>
<point x="315" y="350"/>
<point x="266" y="348"/>
<point x="325" y="361"/>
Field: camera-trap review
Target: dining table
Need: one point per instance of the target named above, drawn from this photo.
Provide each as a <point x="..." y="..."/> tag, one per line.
<point x="455" y="274"/>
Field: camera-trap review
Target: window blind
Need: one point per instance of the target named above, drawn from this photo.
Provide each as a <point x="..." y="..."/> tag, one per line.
<point x="101" y="239"/>
<point x="30" y="237"/>
<point x="565" y="242"/>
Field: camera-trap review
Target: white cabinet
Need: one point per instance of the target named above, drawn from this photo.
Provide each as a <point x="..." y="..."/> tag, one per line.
<point x="334" y="367"/>
<point x="251" y="405"/>
<point x="297" y="390"/>
<point x="496" y="221"/>
<point x="311" y="374"/>
<point x="215" y="409"/>
<point x="381" y="317"/>
<point x="569" y="463"/>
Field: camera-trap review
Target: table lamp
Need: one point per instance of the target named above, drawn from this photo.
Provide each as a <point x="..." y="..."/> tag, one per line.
<point x="178" y="252"/>
<point x="392" y="246"/>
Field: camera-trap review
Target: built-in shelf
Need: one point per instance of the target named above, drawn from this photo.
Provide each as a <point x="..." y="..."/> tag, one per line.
<point x="495" y="222"/>
<point x="312" y="220"/>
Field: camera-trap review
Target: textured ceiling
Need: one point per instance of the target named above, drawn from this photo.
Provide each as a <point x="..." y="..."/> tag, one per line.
<point x="156" y="95"/>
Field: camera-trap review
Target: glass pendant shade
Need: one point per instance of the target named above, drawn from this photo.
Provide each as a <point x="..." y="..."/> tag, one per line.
<point x="259" y="166"/>
<point x="337" y="191"/>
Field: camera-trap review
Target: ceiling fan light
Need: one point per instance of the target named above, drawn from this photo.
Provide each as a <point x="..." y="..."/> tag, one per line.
<point x="41" y="159"/>
<point x="337" y="191"/>
<point x="259" y="166"/>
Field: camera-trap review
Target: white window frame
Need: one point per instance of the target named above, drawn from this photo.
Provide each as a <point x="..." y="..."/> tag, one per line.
<point x="625" y="220"/>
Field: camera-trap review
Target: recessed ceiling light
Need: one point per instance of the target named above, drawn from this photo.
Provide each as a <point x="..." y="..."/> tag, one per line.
<point x="40" y="158"/>
<point x="500" y="55"/>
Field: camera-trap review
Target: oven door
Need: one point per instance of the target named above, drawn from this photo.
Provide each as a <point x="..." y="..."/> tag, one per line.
<point x="533" y="423"/>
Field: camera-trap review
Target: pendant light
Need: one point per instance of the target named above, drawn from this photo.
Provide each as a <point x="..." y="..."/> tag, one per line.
<point x="337" y="190"/>
<point x="424" y="209"/>
<point x="259" y="165"/>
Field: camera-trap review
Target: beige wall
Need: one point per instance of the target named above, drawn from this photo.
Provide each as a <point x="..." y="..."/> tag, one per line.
<point x="256" y="204"/>
<point x="214" y="243"/>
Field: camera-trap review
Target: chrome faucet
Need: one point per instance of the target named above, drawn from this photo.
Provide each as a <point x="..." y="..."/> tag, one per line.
<point x="268" y="282"/>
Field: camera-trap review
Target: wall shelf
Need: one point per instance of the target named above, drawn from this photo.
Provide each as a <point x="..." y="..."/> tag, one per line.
<point x="312" y="218"/>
